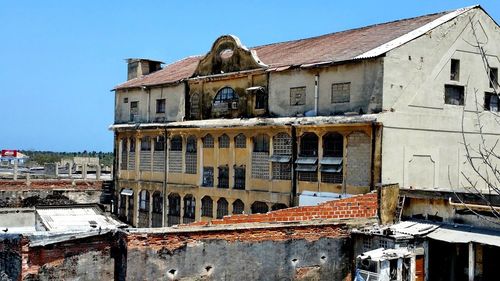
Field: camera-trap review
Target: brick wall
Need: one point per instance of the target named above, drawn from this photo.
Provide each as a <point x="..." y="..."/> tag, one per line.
<point x="359" y="206"/>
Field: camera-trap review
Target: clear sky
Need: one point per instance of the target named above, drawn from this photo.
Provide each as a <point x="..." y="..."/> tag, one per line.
<point x="60" y="59"/>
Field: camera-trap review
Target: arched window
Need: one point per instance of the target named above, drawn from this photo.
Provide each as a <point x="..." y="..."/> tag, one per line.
<point x="132" y="145"/>
<point x="208" y="141"/>
<point x="225" y="95"/>
<point x="224" y="141"/>
<point x="261" y="143"/>
<point x="195" y="105"/>
<point x="240" y="141"/>
<point x="144" y="200"/>
<point x="176" y="143"/>
<point x="259" y="208"/>
<point x="333" y="145"/>
<point x="309" y="145"/>
<point x="238" y="207"/>
<point x="174" y="209"/>
<point x="191" y="144"/>
<point x="278" y="206"/>
<point x="222" y="208"/>
<point x="157" y="214"/>
<point x="207" y="207"/>
<point x="189" y="208"/>
<point x="124" y="156"/>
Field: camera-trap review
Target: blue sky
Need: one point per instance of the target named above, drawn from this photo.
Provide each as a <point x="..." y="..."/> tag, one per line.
<point x="61" y="58"/>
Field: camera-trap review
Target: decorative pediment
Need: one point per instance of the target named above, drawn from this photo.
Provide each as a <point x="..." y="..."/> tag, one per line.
<point x="228" y="55"/>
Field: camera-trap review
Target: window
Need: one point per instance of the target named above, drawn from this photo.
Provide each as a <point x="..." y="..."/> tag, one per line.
<point x="455" y="70"/>
<point x="160" y="143"/>
<point x="491" y="102"/>
<point x="341" y="92"/>
<point x="189" y="208"/>
<point x="191" y="155"/>
<point x="260" y="99"/>
<point x="309" y="145"/>
<point x="208" y="176"/>
<point x="239" y="177"/>
<point x="208" y="141"/>
<point x="224" y="141"/>
<point x="493" y="77"/>
<point x="132" y="145"/>
<point x="134" y="110"/>
<point x="157" y="214"/>
<point x="278" y="206"/>
<point x="207" y="207"/>
<point x="125" y="100"/>
<point x="238" y="207"/>
<point x="223" y="177"/>
<point x="259" y="208"/>
<point x="282" y="171"/>
<point x="222" y="208"/>
<point x="282" y="144"/>
<point x="145" y="144"/>
<point x="333" y="145"/>
<point x="176" y="143"/>
<point x="160" y="106"/>
<point x="308" y="176"/>
<point x="298" y="96"/>
<point x="454" y="94"/>
<point x="124" y="155"/>
<point x="144" y="200"/>
<point x="240" y="141"/>
<point x="225" y="95"/>
<point x="261" y="143"/>
<point x="174" y="209"/>
<point x="195" y="105"/>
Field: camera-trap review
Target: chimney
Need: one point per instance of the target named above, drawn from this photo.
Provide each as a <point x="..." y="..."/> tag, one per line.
<point x="140" y="67"/>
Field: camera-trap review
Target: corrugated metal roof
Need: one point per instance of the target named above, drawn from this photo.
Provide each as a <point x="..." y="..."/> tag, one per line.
<point x="413" y="228"/>
<point x="465" y="235"/>
<point x="75" y="218"/>
<point x="359" y="43"/>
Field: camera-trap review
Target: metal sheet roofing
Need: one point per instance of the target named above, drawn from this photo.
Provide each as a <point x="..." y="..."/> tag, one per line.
<point x="359" y="43"/>
<point x="465" y="235"/>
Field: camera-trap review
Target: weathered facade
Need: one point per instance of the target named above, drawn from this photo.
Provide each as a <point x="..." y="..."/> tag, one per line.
<point x="247" y="130"/>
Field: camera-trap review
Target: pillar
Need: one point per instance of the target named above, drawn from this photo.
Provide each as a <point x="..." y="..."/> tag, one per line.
<point x="471" y="261"/>
<point x="98" y="172"/>
<point x="15" y="169"/>
<point x="197" y="216"/>
<point x="84" y="170"/>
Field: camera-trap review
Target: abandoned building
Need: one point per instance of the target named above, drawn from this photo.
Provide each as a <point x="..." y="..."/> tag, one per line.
<point x="248" y="130"/>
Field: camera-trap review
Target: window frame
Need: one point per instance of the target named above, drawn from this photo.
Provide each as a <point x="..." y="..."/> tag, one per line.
<point x="336" y="93"/>
<point x="294" y="99"/>
<point x="461" y="98"/>
<point x="455" y="70"/>
<point x="161" y="105"/>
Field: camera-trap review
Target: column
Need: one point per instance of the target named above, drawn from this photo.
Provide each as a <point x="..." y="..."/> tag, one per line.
<point x="471" y="261"/>
<point x="214" y="207"/>
<point x="197" y="216"/>
<point x="181" y="209"/>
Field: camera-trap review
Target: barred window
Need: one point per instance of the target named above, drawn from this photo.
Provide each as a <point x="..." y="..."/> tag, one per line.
<point x="238" y="207"/>
<point x="208" y="176"/>
<point x="261" y="143"/>
<point x="223" y="177"/>
<point x="160" y="143"/>
<point x="259" y="208"/>
<point x="333" y="145"/>
<point x="222" y="208"/>
<point x="144" y="200"/>
<point x="282" y="144"/>
<point x="189" y="206"/>
<point x="195" y="105"/>
<point x="191" y="155"/>
<point x="282" y="171"/>
<point x="331" y="177"/>
<point x="298" y="96"/>
<point x="341" y="92"/>
<point x="176" y="143"/>
<point x="308" y="176"/>
<point x="145" y="144"/>
<point x="239" y="177"/>
<point x="157" y="202"/>
<point x="260" y="165"/>
<point x="224" y="141"/>
<point x="309" y="145"/>
<point x="207" y="207"/>
<point x="124" y="155"/>
<point x="240" y="141"/>
<point x="208" y="141"/>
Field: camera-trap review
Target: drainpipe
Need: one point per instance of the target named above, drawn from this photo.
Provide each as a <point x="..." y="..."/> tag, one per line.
<point x="164" y="209"/>
<point x="316" y="94"/>
<point x="149" y="102"/>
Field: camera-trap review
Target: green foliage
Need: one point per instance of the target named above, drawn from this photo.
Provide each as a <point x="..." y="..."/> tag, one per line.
<point x="42" y="157"/>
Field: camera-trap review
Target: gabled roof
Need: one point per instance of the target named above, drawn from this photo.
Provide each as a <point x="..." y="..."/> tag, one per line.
<point x="359" y="43"/>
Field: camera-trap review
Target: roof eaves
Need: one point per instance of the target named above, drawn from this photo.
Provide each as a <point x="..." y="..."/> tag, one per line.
<point x="382" y="49"/>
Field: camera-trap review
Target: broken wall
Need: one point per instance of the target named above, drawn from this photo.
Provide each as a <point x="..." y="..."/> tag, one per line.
<point x="10" y="257"/>
<point x="270" y="253"/>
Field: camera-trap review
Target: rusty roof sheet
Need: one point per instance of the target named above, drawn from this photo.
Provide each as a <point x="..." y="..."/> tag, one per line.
<point x="359" y="43"/>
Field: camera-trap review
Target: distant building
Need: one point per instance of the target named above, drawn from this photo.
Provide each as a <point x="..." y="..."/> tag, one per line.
<point x="9" y="157"/>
